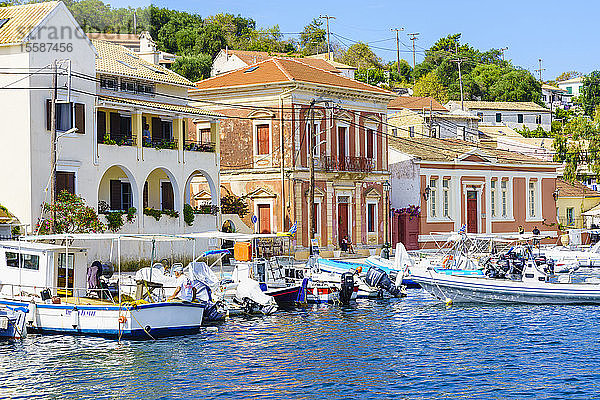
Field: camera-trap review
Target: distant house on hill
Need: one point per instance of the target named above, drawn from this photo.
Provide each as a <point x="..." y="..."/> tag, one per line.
<point x="413" y="116"/>
<point x="143" y="45"/>
<point x="230" y="60"/>
<point x="514" y="114"/>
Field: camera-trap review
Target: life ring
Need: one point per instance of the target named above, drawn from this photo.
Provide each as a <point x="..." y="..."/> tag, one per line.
<point x="446" y="260"/>
<point x="122" y="319"/>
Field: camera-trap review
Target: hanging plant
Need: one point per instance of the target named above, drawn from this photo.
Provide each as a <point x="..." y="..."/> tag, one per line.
<point x="412" y="211"/>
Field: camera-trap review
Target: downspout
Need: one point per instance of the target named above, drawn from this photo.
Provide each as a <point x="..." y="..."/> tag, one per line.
<point x="282" y="152"/>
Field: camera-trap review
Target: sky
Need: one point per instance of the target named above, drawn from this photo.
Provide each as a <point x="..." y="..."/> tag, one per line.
<point x="563" y="34"/>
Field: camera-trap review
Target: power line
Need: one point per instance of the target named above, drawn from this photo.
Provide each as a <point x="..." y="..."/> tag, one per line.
<point x="327" y="17"/>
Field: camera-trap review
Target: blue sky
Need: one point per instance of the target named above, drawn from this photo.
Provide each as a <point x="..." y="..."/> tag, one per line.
<point x="563" y="34"/>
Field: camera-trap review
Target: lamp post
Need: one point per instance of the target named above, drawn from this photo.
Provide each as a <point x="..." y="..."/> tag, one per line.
<point x="385" y="253"/>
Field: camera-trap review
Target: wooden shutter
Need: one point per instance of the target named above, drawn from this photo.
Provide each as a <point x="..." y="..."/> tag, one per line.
<point x="342" y="143"/>
<point x="145" y="194"/>
<point x="156" y="129"/>
<point x="101" y="128"/>
<point x="115" y="123"/>
<point x="262" y="138"/>
<point x="167" y="196"/>
<point x="115" y="194"/>
<point x="370" y="143"/>
<point x="80" y="117"/>
<point x="48" y="114"/>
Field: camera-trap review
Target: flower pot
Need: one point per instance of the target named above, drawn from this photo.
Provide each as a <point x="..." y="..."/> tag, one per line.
<point x="337" y="253"/>
<point x="372" y="252"/>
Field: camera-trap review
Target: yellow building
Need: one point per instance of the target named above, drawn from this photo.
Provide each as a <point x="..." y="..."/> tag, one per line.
<point x="572" y="200"/>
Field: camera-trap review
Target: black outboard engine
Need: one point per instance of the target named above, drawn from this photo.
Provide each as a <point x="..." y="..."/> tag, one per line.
<point x="376" y="277"/>
<point x="347" y="288"/>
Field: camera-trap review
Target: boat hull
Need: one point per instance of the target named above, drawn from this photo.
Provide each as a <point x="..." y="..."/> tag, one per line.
<point x="287" y="296"/>
<point x="144" y="321"/>
<point x="471" y="289"/>
<point x="12" y="323"/>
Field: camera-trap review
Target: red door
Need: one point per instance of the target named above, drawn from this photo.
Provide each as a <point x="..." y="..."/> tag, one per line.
<point x="264" y="218"/>
<point x="472" y="211"/>
<point x="342" y="221"/>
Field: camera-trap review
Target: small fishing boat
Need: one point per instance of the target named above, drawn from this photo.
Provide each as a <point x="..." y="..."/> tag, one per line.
<point x="63" y="295"/>
<point x="12" y="322"/>
<point x="516" y="276"/>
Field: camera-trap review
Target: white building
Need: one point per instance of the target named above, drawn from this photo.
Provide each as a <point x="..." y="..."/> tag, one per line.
<point x="555" y="97"/>
<point x="229" y="60"/>
<point x="515" y="115"/>
<point x="572" y="86"/>
<point x="130" y="147"/>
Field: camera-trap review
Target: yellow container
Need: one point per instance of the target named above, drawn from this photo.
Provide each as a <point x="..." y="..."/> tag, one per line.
<point x="242" y="251"/>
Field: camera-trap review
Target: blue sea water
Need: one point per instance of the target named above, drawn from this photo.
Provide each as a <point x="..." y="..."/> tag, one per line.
<point x="410" y="348"/>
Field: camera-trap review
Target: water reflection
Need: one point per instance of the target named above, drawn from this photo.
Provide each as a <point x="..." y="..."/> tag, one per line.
<point x="409" y="348"/>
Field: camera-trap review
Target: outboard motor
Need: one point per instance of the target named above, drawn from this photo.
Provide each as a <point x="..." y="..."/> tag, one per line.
<point x="376" y="277"/>
<point x="347" y="288"/>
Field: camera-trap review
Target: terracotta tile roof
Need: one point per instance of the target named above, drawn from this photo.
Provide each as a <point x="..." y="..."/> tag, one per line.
<point x="125" y="39"/>
<point x="280" y="70"/>
<point x="575" y="189"/>
<point x="500" y="105"/>
<point x="415" y="103"/>
<point x="253" y="57"/>
<point x="161" y="106"/>
<point x="119" y="60"/>
<point x="433" y="149"/>
<point x="22" y="19"/>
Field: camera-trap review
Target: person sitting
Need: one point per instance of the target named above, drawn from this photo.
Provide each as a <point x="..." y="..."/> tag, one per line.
<point x="349" y="244"/>
<point x="146" y="137"/>
<point x="184" y="289"/>
<point x="536" y="231"/>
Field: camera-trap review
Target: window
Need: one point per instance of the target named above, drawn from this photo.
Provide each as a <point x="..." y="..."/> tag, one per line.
<point x="65" y="181"/>
<point x="504" y="189"/>
<point x="434" y="132"/>
<point x="109" y="83"/>
<point x="520" y="118"/>
<point x="126" y="196"/>
<point x="263" y="139"/>
<point x="167" y="130"/>
<point x="493" y="197"/>
<point x="205" y="135"/>
<point x="371" y="217"/>
<point x="460" y="133"/>
<point x="342" y="143"/>
<point x="446" y="197"/>
<point x="317" y="218"/>
<point x="570" y="89"/>
<point x="498" y="117"/>
<point x="61" y="260"/>
<point x="370" y="143"/>
<point x="121" y="196"/>
<point x="531" y="199"/>
<point x="411" y="131"/>
<point x="394" y="131"/>
<point x="538" y="119"/>
<point x="125" y="125"/>
<point x="28" y="261"/>
<point x="432" y="197"/>
<point x="316" y="132"/>
<point x="570" y="218"/>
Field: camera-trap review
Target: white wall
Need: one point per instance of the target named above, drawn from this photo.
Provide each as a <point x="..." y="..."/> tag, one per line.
<point x="223" y="63"/>
<point x="510" y="118"/>
<point x="405" y="180"/>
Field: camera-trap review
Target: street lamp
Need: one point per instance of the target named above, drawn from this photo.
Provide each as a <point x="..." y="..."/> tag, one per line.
<point x="385" y="253"/>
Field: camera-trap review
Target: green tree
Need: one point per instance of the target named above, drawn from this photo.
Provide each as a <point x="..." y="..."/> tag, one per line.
<point x="231" y="204"/>
<point x="361" y="56"/>
<point x="194" y="67"/>
<point x="211" y="39"/>
<point x="590" y="93"/>
<point x="517" y="85"/>
<point x="313" y="38"/>
<point x="72" y="216"/>
<point x="430" y="85"/>
<point x="567" y="75"/>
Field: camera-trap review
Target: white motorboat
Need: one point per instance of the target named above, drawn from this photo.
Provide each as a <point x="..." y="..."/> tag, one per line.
<point x="566" y="258"/>
<point x="53" y="283"/>
<point x="512" y="278"/>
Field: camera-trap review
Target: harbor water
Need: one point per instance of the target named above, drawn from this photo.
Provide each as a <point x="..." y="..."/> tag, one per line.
<point x="411" y="348"/>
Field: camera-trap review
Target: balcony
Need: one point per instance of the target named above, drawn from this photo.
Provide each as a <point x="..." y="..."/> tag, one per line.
<point x="350" y="164"/>
<point x="159" y="143"/>
<point x="191" y="145"/>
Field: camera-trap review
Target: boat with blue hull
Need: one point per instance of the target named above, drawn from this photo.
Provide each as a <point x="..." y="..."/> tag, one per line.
<point x="12" y="322"/>
<point x="65" y="295"/>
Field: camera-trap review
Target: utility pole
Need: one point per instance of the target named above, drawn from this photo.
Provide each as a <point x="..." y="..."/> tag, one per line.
<point x="328" y="17"/>
<point x="311" y="165"/>
<point x="540" y="69"/>
<point x="413" y="37"/>
<point x="53" y="143"/>
<point x="397" y="47"/>
<point x="502" y="50"/>
<point x="459" y="61"/>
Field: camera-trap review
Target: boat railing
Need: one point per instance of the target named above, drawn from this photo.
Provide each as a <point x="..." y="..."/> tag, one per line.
<point x="77" y="295"/>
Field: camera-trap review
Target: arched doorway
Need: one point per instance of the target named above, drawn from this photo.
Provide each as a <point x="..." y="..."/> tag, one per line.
<point x="117" y="190"/>
<point x="161" y="191"/>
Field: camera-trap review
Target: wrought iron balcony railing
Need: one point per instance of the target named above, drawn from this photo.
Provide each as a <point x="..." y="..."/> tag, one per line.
<point x="351" y="164"/>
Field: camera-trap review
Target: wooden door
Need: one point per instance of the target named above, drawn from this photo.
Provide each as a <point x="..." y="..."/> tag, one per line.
<point x="264" y="218"/>
<point x="342" y="221"/>
<point x="167" y="196"/>
<point x="472" y="211"/>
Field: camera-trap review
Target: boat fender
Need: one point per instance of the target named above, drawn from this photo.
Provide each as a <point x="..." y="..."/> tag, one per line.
<point x="448" y="301"/>
<point x="31" y="313"/>
<point x="447" y="259"/>
<point x="122" y="319"/>
<point x="75" y="318"/>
